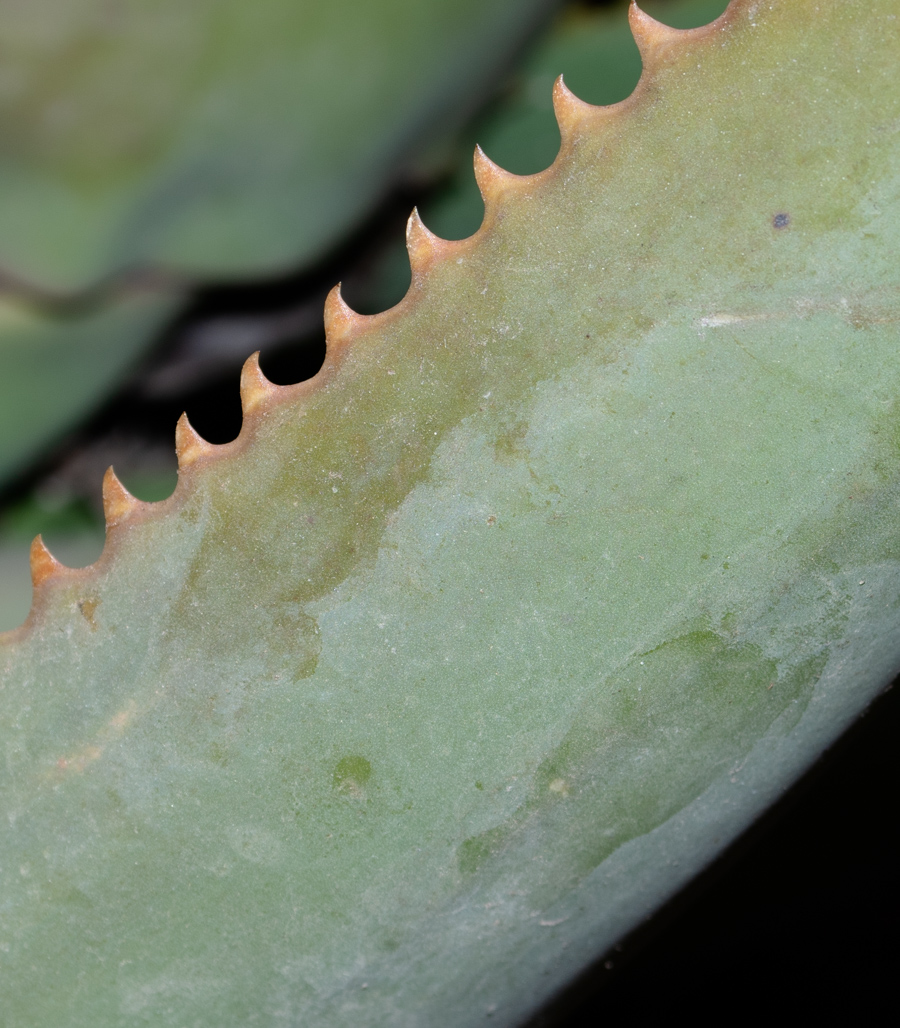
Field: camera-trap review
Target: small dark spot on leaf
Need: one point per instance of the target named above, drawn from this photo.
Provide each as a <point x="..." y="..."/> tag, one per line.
<point x="351" y="775"/>
<point x="781" y="220"/>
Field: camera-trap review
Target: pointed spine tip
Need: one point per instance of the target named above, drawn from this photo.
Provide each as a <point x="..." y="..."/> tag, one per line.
<point x="491" y="178"/>
<point x="43" y="564"/>
<point x="118" y="503"/>
<point x="649" y="34"/>
<point x="256" y="389"/>
<point x="340" y="320"/>
<point x="189" y="447"/>
<point x="422" y="244"/>
<point x="569" y="109"/>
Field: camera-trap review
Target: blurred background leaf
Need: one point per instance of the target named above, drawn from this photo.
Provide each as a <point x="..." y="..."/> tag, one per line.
<point x="222" y="138"/>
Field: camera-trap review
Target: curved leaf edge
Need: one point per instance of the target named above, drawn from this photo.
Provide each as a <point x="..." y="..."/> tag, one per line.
<point x="658" y="45"/>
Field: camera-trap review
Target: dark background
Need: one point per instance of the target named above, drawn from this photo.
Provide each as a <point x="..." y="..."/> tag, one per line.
<point x="797" y="922"/>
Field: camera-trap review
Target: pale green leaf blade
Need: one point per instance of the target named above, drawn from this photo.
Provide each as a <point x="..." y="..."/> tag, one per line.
<point x="468" y="653"/>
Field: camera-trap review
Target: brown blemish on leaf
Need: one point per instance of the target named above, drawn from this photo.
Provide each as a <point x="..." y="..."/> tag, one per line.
<point x="509" y="444"/>
<point x="88" y="609"/>
<point x="79" y="761"/>
<point x="89" y="754"/>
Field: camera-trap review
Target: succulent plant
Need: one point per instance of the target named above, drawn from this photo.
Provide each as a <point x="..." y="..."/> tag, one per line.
<point x="469" y="651"/>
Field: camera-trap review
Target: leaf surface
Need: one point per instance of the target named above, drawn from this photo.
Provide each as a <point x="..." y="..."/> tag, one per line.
<point x="471" y="650"/>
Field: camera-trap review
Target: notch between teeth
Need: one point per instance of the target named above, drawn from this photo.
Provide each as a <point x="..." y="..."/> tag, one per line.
<point x="654" y="38"/>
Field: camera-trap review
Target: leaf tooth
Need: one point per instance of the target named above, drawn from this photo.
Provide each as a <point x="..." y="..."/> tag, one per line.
<point x="423" y="246"/>
<point x="256" y="389"/>
<point x="569" y="109"/>
<point x="189" y="446"/>
<point x="43" y="564"/>
<point x="654" y="38"/>
<point x="118" y="503"/>
<point x="341" y="321"/>
<point x="491" y="178"/>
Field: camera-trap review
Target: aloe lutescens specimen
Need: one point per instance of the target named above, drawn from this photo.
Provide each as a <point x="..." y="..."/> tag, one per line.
<point x="471" y="649"/>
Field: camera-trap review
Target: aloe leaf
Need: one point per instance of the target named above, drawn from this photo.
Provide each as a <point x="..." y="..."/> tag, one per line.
<point x="596" y="52"/>
<point x="68" y="522"/>
<point x="471" y="650"/>
<point x="221" y="138"/>
<point x="54" y="367"/>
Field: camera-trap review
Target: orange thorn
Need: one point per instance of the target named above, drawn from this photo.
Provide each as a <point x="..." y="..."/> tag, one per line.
<point x="421" y="243"/>
<point x="650" y="35"/>
<point x="568" y="108"/>
<point x="189" y="446"/>
<point x="118" y="503"/>
<point x="256" y="389"/>
<point x="340" y="320"/>
<point x="43" y="564"/>
<point x="491" y="178"/>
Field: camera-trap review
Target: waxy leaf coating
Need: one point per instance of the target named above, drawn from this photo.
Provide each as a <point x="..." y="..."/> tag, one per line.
<point x="471" y="650"/>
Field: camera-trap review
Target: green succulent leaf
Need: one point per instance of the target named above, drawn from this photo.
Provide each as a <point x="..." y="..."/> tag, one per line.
<point x="595" y="51"/>
<point x="470" y="651"/>
<point x="221" y="138"/>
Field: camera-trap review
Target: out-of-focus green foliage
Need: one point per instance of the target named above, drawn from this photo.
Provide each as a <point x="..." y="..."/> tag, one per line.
<point x="221" y="137"/>
<point x="55" y="367"/>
